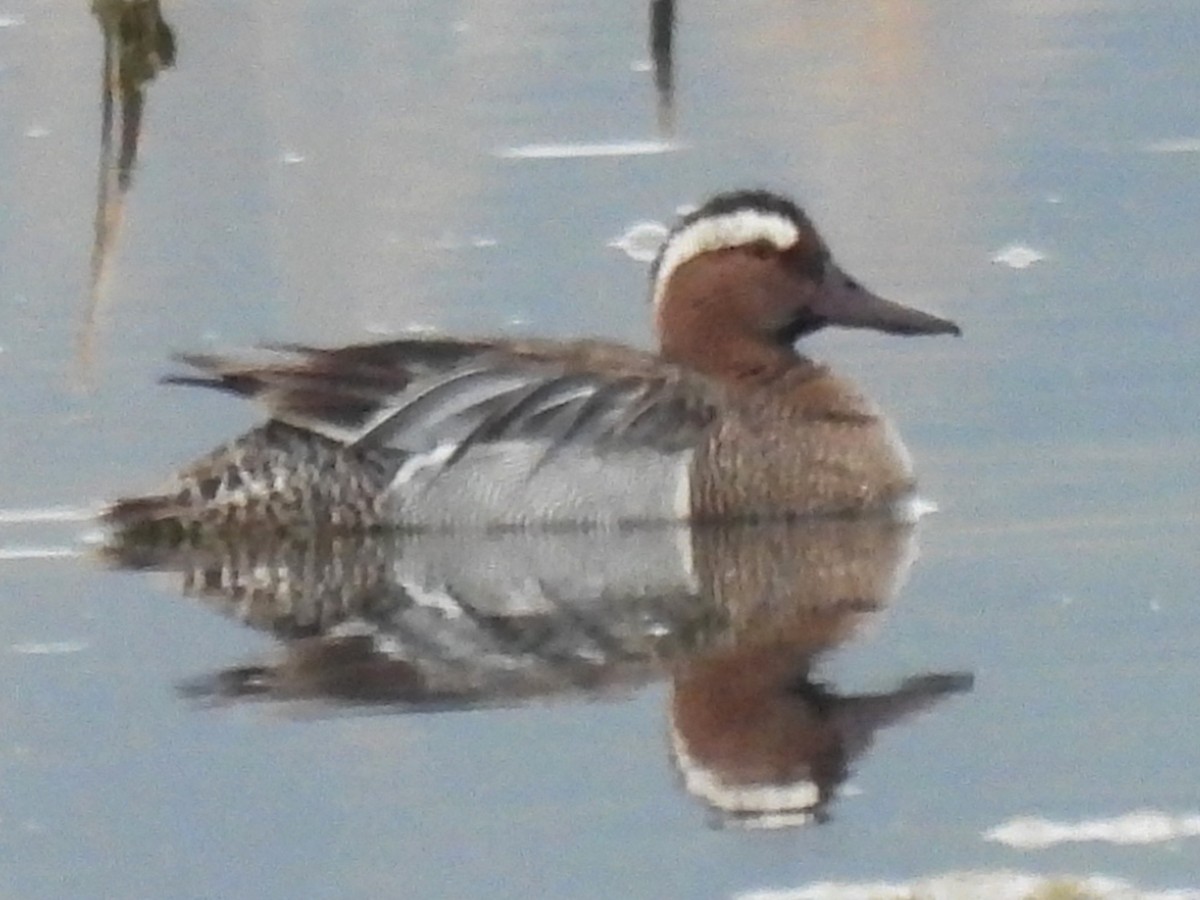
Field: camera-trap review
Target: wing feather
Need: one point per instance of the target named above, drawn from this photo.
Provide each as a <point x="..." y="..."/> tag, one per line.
<point x="418" y="395"/>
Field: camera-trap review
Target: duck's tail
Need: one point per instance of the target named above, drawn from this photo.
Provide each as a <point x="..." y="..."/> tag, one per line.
<point x="152" y="518"/>
<point x="130" y="512"/>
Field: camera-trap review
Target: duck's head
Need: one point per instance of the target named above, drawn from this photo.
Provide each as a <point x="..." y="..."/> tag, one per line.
<point x="740" y="279"/>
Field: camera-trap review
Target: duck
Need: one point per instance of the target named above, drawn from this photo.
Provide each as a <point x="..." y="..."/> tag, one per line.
<point x="727" y="421"/>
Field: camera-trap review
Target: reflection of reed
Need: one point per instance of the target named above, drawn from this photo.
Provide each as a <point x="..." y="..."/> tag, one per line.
<point x="137" y="45"/>
<point x="736" y="618"/>
<point x="662" y="34"/>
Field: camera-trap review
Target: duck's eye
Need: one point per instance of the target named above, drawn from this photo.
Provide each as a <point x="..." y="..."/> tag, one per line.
<point x="762" y="249"/>
<point x="852" y="284"/>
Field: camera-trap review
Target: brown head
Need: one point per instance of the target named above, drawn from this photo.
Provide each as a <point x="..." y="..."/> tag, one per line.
<point x="740" y="279"/>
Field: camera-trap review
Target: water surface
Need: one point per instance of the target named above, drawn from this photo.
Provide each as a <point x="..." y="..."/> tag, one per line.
<point x="319" y="172"/>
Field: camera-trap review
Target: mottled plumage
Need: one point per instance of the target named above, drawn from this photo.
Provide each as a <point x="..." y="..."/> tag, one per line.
<point x="726" y="422"/>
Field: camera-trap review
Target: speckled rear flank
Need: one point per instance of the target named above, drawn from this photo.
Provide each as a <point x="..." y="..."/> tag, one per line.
<point x="274" y="476"/>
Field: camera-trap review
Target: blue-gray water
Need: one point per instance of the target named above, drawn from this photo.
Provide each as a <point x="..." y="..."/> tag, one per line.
<point x="325" y="172"/>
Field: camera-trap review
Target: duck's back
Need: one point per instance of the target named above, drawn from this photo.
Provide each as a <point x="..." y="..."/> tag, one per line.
<point x="500" y="434"/>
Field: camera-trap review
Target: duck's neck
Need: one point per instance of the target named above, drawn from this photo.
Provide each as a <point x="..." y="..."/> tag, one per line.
<point x="732" y="357"/>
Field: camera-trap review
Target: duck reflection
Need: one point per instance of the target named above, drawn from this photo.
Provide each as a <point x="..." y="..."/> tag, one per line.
<point x="138" y="44"/>
<point x="754" y="733"/>
<point x="735" y="618"/>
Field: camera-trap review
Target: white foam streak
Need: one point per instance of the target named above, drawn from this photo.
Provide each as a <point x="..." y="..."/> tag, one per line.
<point x="48" y="648"/>
<point x="914" y="508"/>
<point x="19" y="553"/>
<point x="1174" y="145"/>
<point x="48" y="514"/>
<point x="994" y="885"/>
<point x="1018" y="256"/>
<point x="584" y="151"/>
<point x="641" y="240"/>
<point x="1140" y="827"/>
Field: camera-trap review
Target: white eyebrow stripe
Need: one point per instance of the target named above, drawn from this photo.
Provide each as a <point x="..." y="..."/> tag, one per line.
<point x="734" y="229"/>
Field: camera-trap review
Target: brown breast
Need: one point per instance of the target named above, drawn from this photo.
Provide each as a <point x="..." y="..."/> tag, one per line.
<point x="808" y="443"/>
